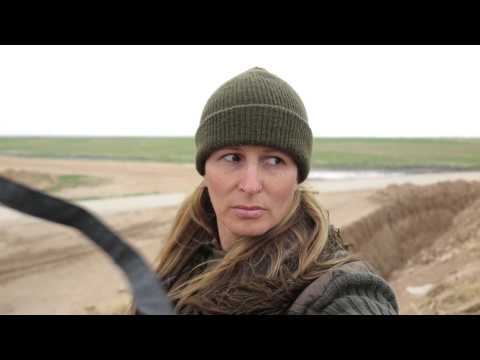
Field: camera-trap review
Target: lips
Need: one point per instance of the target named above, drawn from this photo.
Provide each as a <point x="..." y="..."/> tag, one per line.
<point x="248" y="213"/>
<point x="249" y="207"/>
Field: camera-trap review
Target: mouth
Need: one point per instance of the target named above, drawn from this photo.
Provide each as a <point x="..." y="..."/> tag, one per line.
<point x="246" y="213"/>
<point x="246" y="207"/>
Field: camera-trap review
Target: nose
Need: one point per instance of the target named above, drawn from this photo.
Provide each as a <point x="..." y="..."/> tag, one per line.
<point x="251" y="181"/>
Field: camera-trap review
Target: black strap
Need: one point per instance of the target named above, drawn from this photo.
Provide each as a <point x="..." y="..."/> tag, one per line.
<point x="149" y="295"/>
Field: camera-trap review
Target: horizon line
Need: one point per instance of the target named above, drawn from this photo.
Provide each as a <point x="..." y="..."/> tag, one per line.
<point x="193" y="136"/>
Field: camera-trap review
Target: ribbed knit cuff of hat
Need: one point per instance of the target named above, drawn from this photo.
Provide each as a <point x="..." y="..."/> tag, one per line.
<point x="255" y="124"/>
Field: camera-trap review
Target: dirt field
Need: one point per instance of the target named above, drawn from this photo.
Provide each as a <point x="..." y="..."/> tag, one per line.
<point x="429" y="258"/>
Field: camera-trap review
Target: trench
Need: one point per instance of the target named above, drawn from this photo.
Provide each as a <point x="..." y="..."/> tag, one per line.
<point x="411" y="219"/>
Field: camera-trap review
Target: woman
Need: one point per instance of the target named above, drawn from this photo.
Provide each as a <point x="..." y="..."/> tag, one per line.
<point x="251" y="239"/>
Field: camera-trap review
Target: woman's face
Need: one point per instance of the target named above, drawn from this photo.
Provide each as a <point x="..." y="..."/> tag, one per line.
<point x="251" y="176"/>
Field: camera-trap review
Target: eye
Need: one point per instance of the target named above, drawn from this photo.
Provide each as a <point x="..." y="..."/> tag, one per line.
<point x="234" y="155"/>
<point x="279" y="160"/>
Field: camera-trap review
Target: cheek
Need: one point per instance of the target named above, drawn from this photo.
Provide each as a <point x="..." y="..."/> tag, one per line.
<point x="218" y="191"/>
<point x="217" y="196"/>
<point x="283" y="197"/>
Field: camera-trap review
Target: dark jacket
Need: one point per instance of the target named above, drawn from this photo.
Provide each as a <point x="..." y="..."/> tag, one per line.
<point x="351" y="288"/>
<point x="354" y="288"/>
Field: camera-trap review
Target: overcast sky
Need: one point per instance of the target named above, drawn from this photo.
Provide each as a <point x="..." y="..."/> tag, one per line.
<point x="354" y="91"/>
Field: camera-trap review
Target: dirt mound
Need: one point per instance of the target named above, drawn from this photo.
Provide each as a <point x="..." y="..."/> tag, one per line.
<point x="457" y="294"/>
<point x="414" y="218"/>
<point x="464" y="229"/>
<point x="457" y="290"/>
<point x="37" y="180"/>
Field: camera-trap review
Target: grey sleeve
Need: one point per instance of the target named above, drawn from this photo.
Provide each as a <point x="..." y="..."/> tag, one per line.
<point x="361" y="293"/>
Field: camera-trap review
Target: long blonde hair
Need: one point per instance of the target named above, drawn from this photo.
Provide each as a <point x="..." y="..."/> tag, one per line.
<point x="260" y="274"/>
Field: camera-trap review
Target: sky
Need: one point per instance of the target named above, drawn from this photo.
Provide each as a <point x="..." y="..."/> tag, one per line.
<point x="348" y="91"/>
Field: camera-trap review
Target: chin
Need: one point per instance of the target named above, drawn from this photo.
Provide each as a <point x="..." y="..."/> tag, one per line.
<point x="249" y="230"/>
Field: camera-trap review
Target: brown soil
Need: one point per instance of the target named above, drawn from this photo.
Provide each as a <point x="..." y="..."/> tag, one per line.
<point x="38" y="180"/>
<point x="125" y="177"/>
<point x="425" y="235"/>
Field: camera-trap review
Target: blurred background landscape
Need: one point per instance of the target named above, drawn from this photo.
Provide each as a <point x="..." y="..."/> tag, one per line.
<point x="409" y="206"/>
<point x="396" y="159"/>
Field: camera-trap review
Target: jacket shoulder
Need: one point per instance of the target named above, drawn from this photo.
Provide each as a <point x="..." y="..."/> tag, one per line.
<point x="352" y="288"/>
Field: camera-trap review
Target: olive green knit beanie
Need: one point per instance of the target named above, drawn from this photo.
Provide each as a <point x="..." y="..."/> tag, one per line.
<point x="255" y="108"/>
